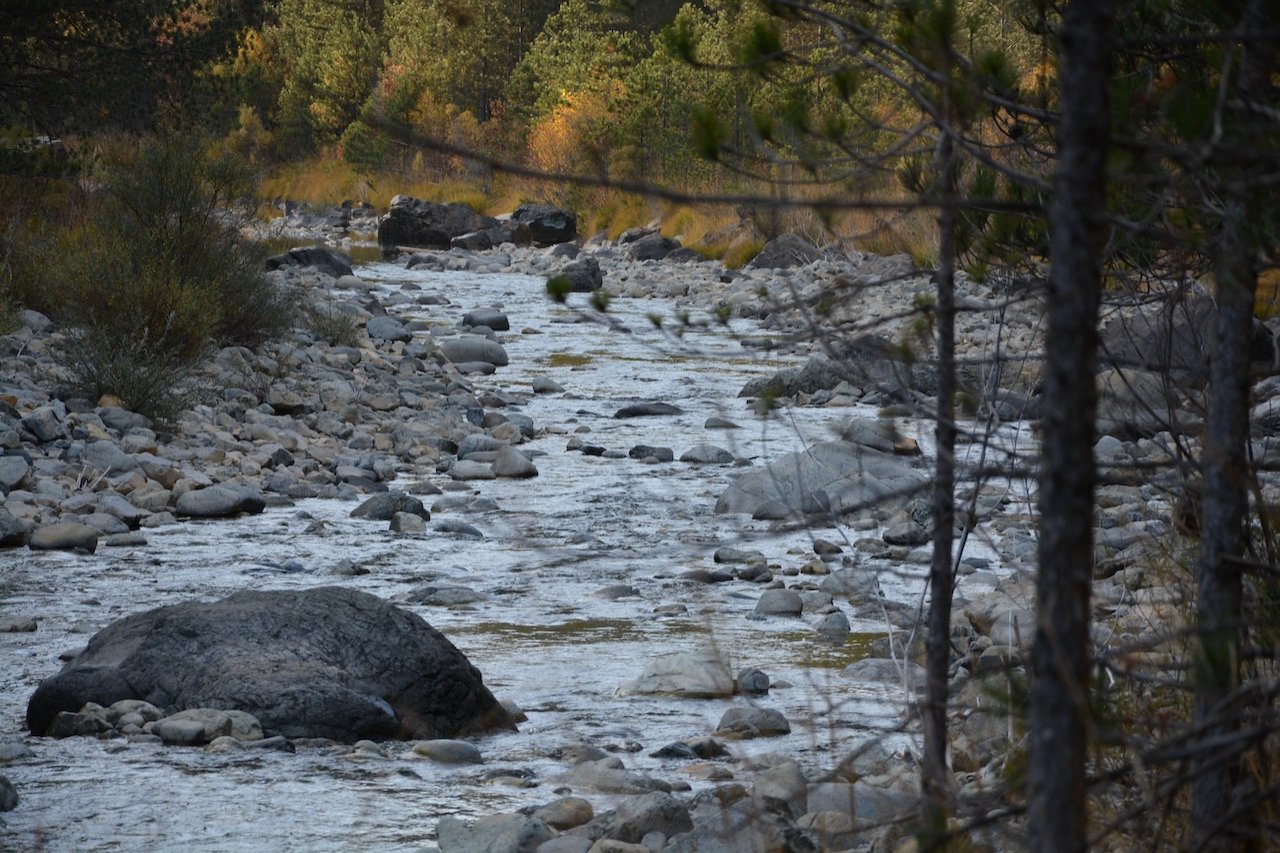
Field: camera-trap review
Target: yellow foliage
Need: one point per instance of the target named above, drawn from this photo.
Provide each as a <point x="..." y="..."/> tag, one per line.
<point x="560" y="141"/>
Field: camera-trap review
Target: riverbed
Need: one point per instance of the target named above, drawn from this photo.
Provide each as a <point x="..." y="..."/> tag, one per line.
<point x="578" y="583"/>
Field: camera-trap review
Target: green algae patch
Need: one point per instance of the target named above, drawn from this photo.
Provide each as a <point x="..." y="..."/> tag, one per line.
<point x="568" y="359"/>
<point x="830" y="656"/>
<point x="576" y="631"/>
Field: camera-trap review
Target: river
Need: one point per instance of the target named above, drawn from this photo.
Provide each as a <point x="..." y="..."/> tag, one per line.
<point x="543" y="634"/>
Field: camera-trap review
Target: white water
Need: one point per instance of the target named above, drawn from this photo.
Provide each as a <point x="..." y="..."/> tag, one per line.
<point x="542" y="637"/>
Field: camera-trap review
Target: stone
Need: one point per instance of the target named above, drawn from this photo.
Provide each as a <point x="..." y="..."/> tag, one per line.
<point x="511" y="463"/>
<point x="701" y="673"/>
<point x="13" y="470"/>
<point x="467" y="469"/>
<point x="494" y="834"/>
<point x="222" y="501"/>
<point x="707" y="454"/>
<point x="119" y="507"/>
<point x="14" y="531"/>
<point x="473" y="348"/>
<point x="565" y="813"/>
<point x="785" y="782"/>
<point x="446" y="751"/>
<point x="65" y="536"/>
<point x="743" y="723"/>
<point x="407" y="522"/>
<point x="636" y="817"/>
<point x="832" y="477"/>
<point x="411" y="222"/>
<point x="328" y="261"/>
<point x="543" y="385"/>
<point x="609" y="776"/>
<point x="886" y="671"/>
<point x="8" y="796"/>
<point x="751" y="682"/>
<point x="583" y="275"/>
<point x="45" y="424"/>
<point x="643" y="410"/>
<point x="384" y="506"/>
<point x="490" y="318"/>
<point x="787" y="250"/>
<point x="547" y="224"/>
<point x="180" y="732"/>
<point x="779" y="602"/>
<point x="387" y="329"/>
<point x="325" y="662"/>
<point x="645" y="451"/>
<point x="18" y="624"/>
<point x="651" y="247"/>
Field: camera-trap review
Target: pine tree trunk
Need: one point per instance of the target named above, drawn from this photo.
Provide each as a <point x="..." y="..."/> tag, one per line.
<point x="1224" y="464"/>
<point x="1059" y="721"/>
<point x="935" y="777"/>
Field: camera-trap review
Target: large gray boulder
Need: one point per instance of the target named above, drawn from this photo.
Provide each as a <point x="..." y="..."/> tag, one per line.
<point x="471" y="348"/>
<point x="786" y="251"/>
<point x="427" y="224"/>
<point x="326" y="662"/>
<point x="547" y="224"/>
<point x="833" y="477"/>
<point x="221" y="501"/>
<point x="326" y="260"/>
<point x="583" y="275"/>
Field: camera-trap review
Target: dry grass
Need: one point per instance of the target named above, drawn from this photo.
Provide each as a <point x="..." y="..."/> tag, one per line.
<point x="714" y="230"/>
<point x="330" y="180"/>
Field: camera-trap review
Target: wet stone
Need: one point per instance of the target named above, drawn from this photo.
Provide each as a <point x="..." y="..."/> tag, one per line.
<point x="746" y="723"/>
<point x="449" y="751"/>
<point x="65" y="536"/>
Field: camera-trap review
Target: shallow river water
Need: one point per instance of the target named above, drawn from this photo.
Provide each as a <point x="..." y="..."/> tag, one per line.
<point x="543" y="635"/>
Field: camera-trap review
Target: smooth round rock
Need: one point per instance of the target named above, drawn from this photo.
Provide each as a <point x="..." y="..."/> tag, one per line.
<point x="449" y="751"/>
<point x="64" y="536"/>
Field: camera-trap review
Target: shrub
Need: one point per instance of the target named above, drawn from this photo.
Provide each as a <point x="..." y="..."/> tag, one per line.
<point x="150" y="274"/>
<point x="329" y="323"/>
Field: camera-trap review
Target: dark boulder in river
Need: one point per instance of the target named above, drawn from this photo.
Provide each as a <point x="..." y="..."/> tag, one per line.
<point x="427" y="224"/>
<point x="326" y="662"/>
<point x="324" y="259"/>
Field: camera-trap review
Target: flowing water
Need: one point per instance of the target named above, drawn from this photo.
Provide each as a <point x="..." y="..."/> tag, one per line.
<point x="543" y="634"/>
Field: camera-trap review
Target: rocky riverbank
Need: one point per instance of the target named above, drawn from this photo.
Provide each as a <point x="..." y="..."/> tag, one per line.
<point x="362" y="401"/>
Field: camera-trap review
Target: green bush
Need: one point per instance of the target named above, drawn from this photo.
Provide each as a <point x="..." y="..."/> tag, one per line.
<point x="149" y="275"/>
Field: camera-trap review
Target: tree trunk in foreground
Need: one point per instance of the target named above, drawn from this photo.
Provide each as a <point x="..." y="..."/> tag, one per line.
<point x="1059" y="723"/>
<point x="935" y="777"/>
<point x="1224" y="463"/>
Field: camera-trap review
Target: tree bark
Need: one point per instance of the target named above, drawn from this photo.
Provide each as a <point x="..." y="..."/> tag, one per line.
<point x="935" y="777"/>
<point x="1224" y="464"/>
<point x="1059" y="720"/>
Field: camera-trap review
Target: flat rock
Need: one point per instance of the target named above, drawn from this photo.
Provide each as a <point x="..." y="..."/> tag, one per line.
<point x="13" y="470"/>
<point x="831" y="477"/>
<point x="701" y="673"/>
<point x="779" y="602"/>
<point x="384" y="505"/>
<point x="707" y="454"/>
<point x="446" y="751"/>
<point x="388" y="329"/>
<point x="473" y="348"/>
<point x="643" y="410"/>
<point x="222" y="501"/>
<point x="501" y="833"/>
<point x="749" y="722"/>
<point x="65" y="536"/>
<point x="326" y="662"/>
<point x="14" y="532"/>
<point x="511" y="463"/>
